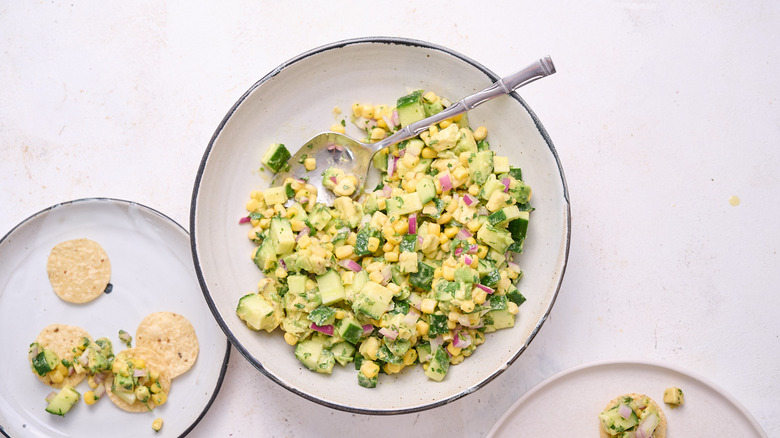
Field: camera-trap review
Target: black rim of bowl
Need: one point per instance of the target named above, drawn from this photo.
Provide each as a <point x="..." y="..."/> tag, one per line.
<point x="193" y="206"/>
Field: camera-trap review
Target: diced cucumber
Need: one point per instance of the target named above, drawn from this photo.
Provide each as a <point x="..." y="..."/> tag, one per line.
<point x="516" y="173"/>
<point x="404" y="204"/>
<point x="320" y="216"/>
<point x="361" y="240"/>
<point x="308" y="352"/>
<point x="349" y="329"/>
<point x="410" y="108"/>
<point x="439" y="365"/>
<point x="343" y="352"/>
<point x="408" y="243"/>
<point x="497" y="238"/>
<point x="257" y="312"/>
<point x="63" y="401"/>
<point x="275" y="195"/>
<point x="423" y="278"/>
<point x="373" y="300"/>
<point x="515" y="296"/>
<point x="438" y="324"/>
<point x="281" y="235"/>
<point x="275" y="158"/>
<point x="498" y="319"/>
<point x="45" y="361"/>
<point x="331" y="288"/>
<point x="265" y="257"/>
<point x="296" y="284"/>
<point x="426" y="189"/>
<point x="613" y="421"/>
<point x="505" y="215"/>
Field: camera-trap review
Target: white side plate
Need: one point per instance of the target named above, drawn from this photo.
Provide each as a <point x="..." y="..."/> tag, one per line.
<point x="569" y="403"/>
<point x="151" y="271"/>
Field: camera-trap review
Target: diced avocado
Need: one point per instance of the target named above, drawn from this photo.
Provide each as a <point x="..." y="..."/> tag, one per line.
<point x="343" y="352"/>
<point x="432" y="107"/>
<point x="123" y="383"/>
<point x="423" y="278"/>
<point x="258" y="312"/>
<point x="466" y="142"/>
<point x="281" y="235"/>
<point x="385" y="355"/>
<point x="308" y="352"/>
<point x="466" y="274"/>
<point x="373" y="300"/>
<point x="328" y="175"/>
<point x="491" y="185"/>
<point x="434" y="208"/>
<point x="276" y="157"/>
<point x="326" y="362"/>
<point x="404" y="204"/>
<point x="505" y="215"/>
<point x="361" y="278"/>
<point x="497" y="238"/>
<point x="499" y="319"/>
<point x="63" y="401"/>
<point x="349" y="329"/>
<point x="481" y="166"/>
<point x="322" y="316"/>
<point x="96" y="361"/>
<point x="440" y="363"/>
<point x="127" y="397"/>
<point x="614" y="423"/>
<point x="410" y="108"/>
<point x="45" y="361"/>
<point x="673" y="396"/>
<point x="445" y="290"/>
<point x="426" y="189"/>
<point x="366" y="382"/>
<point x="320" y="216"/>
<point x="379" y="160"/>
<point x="300" y="212"/>
<point x="500" y="164"/>
<point x="275" y="195"/>
<point x="423" y="352"/>
<point x="423" y="166"/>
<point x="331" y="288"/>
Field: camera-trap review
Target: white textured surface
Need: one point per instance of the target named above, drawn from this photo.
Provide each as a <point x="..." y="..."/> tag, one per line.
<point x="660" y="113"/>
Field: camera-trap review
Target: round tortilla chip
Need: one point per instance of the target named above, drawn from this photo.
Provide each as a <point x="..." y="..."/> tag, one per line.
<point x="79" y="270"/>
<point x="660" y="431"/>
<point x="61" y="339"/>
<point x="152" y="364"/>
<point x="172" y="337"/>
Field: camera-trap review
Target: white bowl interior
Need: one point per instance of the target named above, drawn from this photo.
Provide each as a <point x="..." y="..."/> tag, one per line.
<point x="297" y="101"/>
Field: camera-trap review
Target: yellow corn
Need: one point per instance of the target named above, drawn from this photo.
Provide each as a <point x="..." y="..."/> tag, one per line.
<point x="56" y="376"/>
<point x="422" y="327"/>
<point x="376" y="277"/>
<point x="453" y="349"/>
<point x="473" y="225"/>
<point x="443" y="219"/>
<point x="252" y="204"/>
<point x="160" y="398"/>
<point x="482" y="251"/>
<point x="311" y="162"/>
<point x="304" y="242"/>
<point x="256" y="194"/>
<point x="430" y="96"/>
<point x="89" y="398"/>
<point x="378" y="133"/>
<point x="429" y="153"/>
<point x="451" y="232"/>
<point x="401" y="226"/>
<point x="410" y="356"/>
<point x="157" y="424"/>
<point x="297" y="224"/>
<point x="454" y="360"/>
<point x="368" y="112"/>
<point x="479" y="296"/>
<point x="290" y="338"/>
<point x="335" y="128"/>
<point x="452" y="324"/>
<point x="480" y="133"/>
<point x="345" y="251"/>
<point x="381" y="123"/>
<point x="373" y="244"/>
<point x="391" y="368"/>
<point x="388" y="246"/>
<point x="357" y="110"/>
<point x="369" y="369"/>
<point x="467" y="306"/>
<point x="428" y="305"/>
<point x="391" y="256"/>
<point x="445" y="123"/>
<point x="512" y="308"/>
<point x="437" y="273"/>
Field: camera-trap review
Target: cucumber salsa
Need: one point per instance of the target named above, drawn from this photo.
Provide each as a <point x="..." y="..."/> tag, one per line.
<point x="415" y="272"/>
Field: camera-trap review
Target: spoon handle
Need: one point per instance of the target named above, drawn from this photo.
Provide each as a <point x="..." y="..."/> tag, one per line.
<point x="536" y="70"/>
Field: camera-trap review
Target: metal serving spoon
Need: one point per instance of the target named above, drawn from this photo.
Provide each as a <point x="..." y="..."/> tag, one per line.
<point x="332" y="149"/>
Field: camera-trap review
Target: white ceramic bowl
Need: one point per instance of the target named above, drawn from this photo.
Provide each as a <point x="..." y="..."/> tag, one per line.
<point x="294" y="102"/>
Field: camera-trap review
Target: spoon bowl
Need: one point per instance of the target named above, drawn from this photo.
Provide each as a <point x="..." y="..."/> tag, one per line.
<point x="332" y="149"/>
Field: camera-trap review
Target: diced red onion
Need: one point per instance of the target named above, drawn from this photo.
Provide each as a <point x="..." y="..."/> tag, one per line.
<point x="624" y="410"/>
<point x="84" y="359"/>
<point x="244" y="220"/>
<point x="413" y="224"/>
<point x="506" y="183"/>
<point x="647" y="426"/>
<point x="394" y="118"/>
<point x="387" y="274"/>
<point x="469" y="200"/>
<point x="463" y="234"/>
<point x="335" y="181"/>
<point x="305" y="231"/>
<point x="71" y="370"/>
<point x="458" y="251"/>
<point x="473" y="248"/>
<point x="370" y="123"/>
<point x="388" y="333"/>
<point x="435" y="343"/>
<point x="351" y="265"/>
<point x="326" y="329"/>
<point x="467" y="260"/>
<point x="391" y="161"/>
<point x="482" y="211"/>
<point x="139" y="373"/>
<point x="513" y="266"/>
<point x="446" y="182"/>
<point x="420" y="240"/>
<point x="411" y="318"/>
<point x="367" y="329"/>
<point x="485" y="288"/>
<point x="416" y="301"/>
<point x="461" y="340"/>
<point x="304" y="200"/>
<point x="51" y="396"/>
<point x="387" y="191"/>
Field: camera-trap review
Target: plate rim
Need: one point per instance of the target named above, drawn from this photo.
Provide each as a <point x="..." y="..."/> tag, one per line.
<point x="622" y="362"/>
<point x="98" y="200"/>
<point x="274" y="72"/>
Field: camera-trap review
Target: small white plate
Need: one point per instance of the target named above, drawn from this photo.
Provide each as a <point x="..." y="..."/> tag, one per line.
<point x="151" y="271"/>
<point x="569" y="403"/>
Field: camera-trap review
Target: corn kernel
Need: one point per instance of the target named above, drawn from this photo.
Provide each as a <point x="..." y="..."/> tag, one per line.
<point x="454" y="360"/>
<point x="391" y="368"/>
<point x="368" y="112"/>
<point x="410" y="160"/>
<point x="443" y="219"/>
<point x="376" y="277"/>
<point x="437" y="273"/>
<point x="451" y="232"/>
<point x="373" y="244"/>
<point x="401" y="226"/>
<point x="157" y="424"/>
<point x="265" y="223"/>
<point x="56" y="377"/>
<point x="357" y="110"/>
<point x="479" y="296"/>
<point x="428" y="305"/>
<point x="512" y="308"/>
<point x="467" y="306"/>
<point x="256" y="194"/>
<point x="252" y="205"/>
<point x="480" y="133"/>
<point x="445" y="123"/>
<point x="473" y="225"/>
<point x="345" y="251"/>
<point x="369" y="369"/>
<point x="452" y="324"/>
<point x="160" y="398"/>
<point x="410" y="356"/>
<point x="391" y="256"/>
<point x="297" y="224"/>
<point x="422" y="327"/>
<point x="311" y="162"/>
<point x="448" y="273"/>
<point x="430" y="96"/>
<point x="394" y="288"/>
<point x="378" y="133"/>
<point x="304" y="242"/>
<point x="453" y="349"/>
<point x="388" y="246"/>
<point x="89" y="398"/>
<point x="290" y="338"/>
<point x="429" y="153"/>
